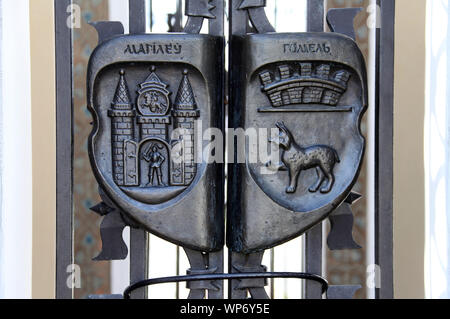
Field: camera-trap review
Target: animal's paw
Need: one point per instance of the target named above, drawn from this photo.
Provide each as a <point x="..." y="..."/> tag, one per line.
<point x="325" y="190"/>
<point x="313" y="189"/>
<point x="290" y="190"/>
<point x="272" y="167"/>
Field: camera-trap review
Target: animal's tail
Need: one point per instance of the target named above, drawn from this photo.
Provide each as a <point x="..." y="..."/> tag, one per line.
<point x="336" y="156"/>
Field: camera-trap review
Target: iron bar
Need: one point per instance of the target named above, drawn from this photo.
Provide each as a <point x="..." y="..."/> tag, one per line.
<point x="64" y="146"/>
<point x="238" y="21"/>
<point x="216" y="26"/>
<point x="138" y="238"/>
<point x="237" y="276"/>
<point x="315" y="9"/>
<point x="313" y="238"/>
<point x="384" y="123"/>
<point x="137" y="16"/>
<point x="138" y="260"/>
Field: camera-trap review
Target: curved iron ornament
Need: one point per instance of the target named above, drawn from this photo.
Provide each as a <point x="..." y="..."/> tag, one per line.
<point x="239" y="276"/>
<point x="197" y="11"/>
<point x="257" y="14"/>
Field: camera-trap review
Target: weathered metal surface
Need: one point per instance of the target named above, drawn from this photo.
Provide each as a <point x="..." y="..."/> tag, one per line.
<point x="111" y="229"/>
<point x="257" y="15"/>
<point x="199" y="8"/>
<point x="312" y="86"/>
<point x="248" y="263"/>
<point x="137" y="19"/>
<point x="340" y="236"/>
<point x="107" y="29"/>
<point x="216" y="25"/>
<point x="64" y="146"/>
<point x="139" y="246"/>
<point x="313" y="239"/>
<point x="197" y="11"/>
<point x="256" y="222"/>
<point x="315" y="15"/>
<point x="142" y="89"/>
<point x="237" y="276"/>
<point x="272" y="216"/>
<point x="341" y="20"/>
<point x="205" y="264"/>
<point x="384" y="104"/>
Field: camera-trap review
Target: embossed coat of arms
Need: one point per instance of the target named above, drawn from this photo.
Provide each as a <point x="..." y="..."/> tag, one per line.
<point x="313" y="88"/>
<point x="143" y="164"/>
<point x="146" y="93"/>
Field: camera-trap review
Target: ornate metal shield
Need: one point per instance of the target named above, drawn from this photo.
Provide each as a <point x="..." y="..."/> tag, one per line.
<point x="146" y="93"/>
<point x="313" y="88"/>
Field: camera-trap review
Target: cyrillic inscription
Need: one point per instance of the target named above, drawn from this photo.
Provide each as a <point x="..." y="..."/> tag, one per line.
<point x="306" y="48"/>
<point x="153" y="48"/>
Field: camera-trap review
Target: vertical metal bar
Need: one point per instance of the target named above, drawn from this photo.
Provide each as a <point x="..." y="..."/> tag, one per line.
<point x="151" y="15"/>
<point x="138" y="238"/>
<point x="137" y="16"/>
<point x="238" y="18"/>
<point x="64" y="149"/>
<point x="384" y="120"/>
<point x="315" y="15"/>
<point x="138" y="260"/>
<point x="216" y="260"/>
<point x="313" y="238"/>
<point x="238" y="21"/>
<point x="313" y="261"/>
<point x="177" y="288"/>
<point x="216" y="26"/>
<point x="272" y="269"/>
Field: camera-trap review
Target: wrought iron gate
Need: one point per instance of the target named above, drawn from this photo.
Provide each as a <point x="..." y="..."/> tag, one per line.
<point x="301" y="74"/>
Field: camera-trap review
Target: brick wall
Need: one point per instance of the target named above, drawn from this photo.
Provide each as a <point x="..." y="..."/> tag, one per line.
<point x="153" y="130"/>
<point x="122" y="130"/>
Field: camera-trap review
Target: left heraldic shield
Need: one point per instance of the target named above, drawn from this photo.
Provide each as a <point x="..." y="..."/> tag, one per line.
<point x="147" y="94"/>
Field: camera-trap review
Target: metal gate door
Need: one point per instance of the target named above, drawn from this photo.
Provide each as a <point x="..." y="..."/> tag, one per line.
<point x="147" y="94"/>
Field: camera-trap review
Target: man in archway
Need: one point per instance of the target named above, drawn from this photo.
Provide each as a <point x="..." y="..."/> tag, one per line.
<point x="155" y="160"/>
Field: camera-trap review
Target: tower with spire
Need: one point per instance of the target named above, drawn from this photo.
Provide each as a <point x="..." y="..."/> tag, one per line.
<point x="141" y="143"/>
<point x="122" y="126"/>
<point x="185" y="112"/>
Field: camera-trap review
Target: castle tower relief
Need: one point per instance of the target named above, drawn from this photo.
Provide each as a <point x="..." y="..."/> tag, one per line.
<point x="305" y="84"/>
<point x="122" y="127"/>
<point x="145" y="166"/>
<point x="185" y="113"/>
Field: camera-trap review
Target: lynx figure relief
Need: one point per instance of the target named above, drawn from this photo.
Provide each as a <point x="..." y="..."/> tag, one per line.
<point x="296" y="159"/>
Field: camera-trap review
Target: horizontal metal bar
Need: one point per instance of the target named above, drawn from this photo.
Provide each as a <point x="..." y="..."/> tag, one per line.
<point x="165" y="280"/>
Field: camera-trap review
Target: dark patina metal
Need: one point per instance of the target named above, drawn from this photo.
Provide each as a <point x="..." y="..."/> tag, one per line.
<point x="141" y="88"/>
<point x="312" y="86"/>
<point x="286" y="81"/>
